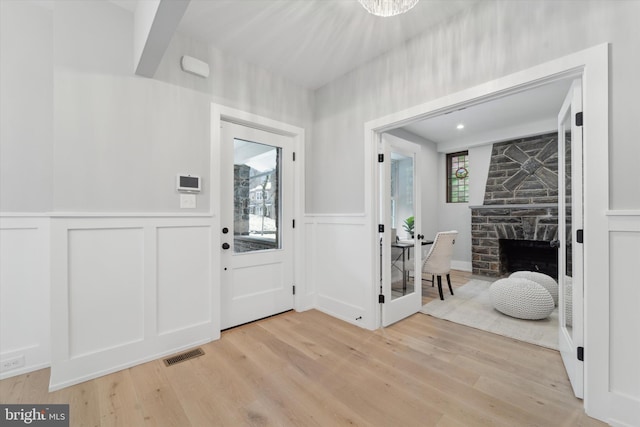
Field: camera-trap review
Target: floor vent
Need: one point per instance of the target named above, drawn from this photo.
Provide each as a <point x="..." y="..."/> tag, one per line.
<point x="191" y="354"/>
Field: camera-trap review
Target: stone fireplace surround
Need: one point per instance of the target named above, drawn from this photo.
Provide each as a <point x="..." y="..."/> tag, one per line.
<point x="520" y="202"/>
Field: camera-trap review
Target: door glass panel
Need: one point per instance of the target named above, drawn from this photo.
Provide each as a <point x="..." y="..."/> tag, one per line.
<point x="402" y="213"/>
<point x="256" y="197"/>
<point x="568" y="243"/>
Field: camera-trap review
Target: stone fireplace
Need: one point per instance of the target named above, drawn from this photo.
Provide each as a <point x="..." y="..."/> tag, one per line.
<point x="517" y="224"/>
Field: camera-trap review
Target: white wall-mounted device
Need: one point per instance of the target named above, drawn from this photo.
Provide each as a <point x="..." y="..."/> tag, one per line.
<point x="186" y="183"/>
<point x="194" y="66"/>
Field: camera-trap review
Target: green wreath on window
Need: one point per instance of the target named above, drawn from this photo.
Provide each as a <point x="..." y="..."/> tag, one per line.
<point x="462" y="173"/>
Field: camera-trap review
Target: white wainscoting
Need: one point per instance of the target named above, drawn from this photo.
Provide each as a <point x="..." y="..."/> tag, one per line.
<point x="24" y="292"/>
<point x="126" y="290"/>
<point x="338" y="267"/>
<point x="624" y="317"/>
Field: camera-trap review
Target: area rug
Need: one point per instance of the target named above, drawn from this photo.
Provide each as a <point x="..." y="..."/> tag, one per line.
<point x="471" y="306"/>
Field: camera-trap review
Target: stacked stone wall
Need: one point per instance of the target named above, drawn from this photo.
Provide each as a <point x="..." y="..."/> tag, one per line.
<point x="490" y="225"/>
<point x="520" y="202"/>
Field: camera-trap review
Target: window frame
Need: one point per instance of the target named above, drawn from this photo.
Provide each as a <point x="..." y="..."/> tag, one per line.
<point x="448" y="176"/>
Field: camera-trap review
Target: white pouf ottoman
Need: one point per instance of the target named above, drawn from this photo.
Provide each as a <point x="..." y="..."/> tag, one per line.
<point x="521" y="298"/>
<point x="542" y="279"/>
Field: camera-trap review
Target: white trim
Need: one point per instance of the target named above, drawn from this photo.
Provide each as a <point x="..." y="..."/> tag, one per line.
<point x="130" y="215"/>
<point x="625" y="407"/>
<point x="461" y="265"/>
<point x="25" y="214"/>
<point x="336" y="308"/>
<point x="105" y="215"/>
<point x="624" y="222"/>
<point x="614" y="213"/>
<point x="593" y="65"/>
<point x="102" y="372"/>
<point x="335" y="219"/>
<point x="37" y="353"/>
<point x="24" y="370"/>
<point x="335" y="215"/>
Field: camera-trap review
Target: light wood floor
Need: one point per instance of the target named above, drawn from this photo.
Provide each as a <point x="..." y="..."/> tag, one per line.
<point x="429" y="293"/>
<point x="309" y="369"/>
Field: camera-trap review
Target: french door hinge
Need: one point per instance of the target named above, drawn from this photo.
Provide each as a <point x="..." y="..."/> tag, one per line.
<point x="293" y="223"/>
<point x="579" y="119"/>
<point x="380" y="158"/>
<point x="380" y="299"/>
<point x="380" y="228"/>
<point x="294" y="289"/>
<point x="580" y="236"/>
<point x="294" y="156"/>
<point x="581" y="354"/>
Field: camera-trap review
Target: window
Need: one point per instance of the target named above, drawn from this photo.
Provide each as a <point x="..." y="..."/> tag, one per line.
<point x="458" y="177"/>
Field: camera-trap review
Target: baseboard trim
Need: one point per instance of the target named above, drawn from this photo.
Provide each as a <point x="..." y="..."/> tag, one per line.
<point x="461" y="265"/>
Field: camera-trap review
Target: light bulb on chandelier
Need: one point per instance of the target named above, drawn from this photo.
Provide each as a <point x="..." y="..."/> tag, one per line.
<point x="387" y="8"/>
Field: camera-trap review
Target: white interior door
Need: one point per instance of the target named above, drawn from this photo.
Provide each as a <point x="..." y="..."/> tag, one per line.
<point x="570" y="220"/>
<point x="256" y="220"/>
<point x="400" y="243"/>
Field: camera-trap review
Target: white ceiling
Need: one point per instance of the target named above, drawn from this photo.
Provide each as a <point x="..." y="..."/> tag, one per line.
<point x="312" y="42"/>
<point x="522" y="114"/>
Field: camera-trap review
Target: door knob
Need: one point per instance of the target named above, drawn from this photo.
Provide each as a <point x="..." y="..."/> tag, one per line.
<point x="225" y="246"/>
<point x="420" y="236"/>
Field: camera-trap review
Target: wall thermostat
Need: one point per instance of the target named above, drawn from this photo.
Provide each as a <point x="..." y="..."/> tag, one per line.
<point x="187" y="183"/>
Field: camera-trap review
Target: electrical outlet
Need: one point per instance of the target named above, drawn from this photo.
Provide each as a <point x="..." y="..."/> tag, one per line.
<point x="13" y="363"/>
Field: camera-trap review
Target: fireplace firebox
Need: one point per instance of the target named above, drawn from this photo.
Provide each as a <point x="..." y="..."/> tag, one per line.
<point x="528" y="255"/>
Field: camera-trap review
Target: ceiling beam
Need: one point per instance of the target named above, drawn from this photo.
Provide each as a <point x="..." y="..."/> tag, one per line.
<point x="155" y="21"/>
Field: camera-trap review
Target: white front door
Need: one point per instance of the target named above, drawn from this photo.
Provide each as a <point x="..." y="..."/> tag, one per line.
<point x="256" y="224"/>
<point x="401" y="241"/>
<point x="570" y="220"/>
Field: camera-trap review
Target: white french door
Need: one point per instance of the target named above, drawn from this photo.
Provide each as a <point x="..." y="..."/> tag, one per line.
<point x="256" y="224"/>
<point x="401" y="241"/>
<point x="570" y="223"/>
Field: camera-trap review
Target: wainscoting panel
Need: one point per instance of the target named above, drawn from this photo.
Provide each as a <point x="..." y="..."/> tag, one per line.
<point x="340" y="274"/>
<point x="184" y="277"/>
<point x="106" y="289"/>
<point x="624" y="300"/>
<point x="24" y="293"/>
<point x="309" y="264"/>
<point x="126" y="290"/>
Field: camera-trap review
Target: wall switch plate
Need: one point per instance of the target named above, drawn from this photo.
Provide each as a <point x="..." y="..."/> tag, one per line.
<point x="12" y="363"/>
<point x="187" y="201"/>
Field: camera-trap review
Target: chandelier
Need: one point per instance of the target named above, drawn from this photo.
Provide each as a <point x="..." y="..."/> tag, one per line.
<point x="387" y="7"/>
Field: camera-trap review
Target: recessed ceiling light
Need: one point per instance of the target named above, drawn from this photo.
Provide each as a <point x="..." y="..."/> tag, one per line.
<point x="460" y="126"/>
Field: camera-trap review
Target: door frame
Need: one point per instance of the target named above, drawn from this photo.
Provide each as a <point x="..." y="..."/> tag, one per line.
<point x="301" y="299"/>
<point x="592" y="65"/>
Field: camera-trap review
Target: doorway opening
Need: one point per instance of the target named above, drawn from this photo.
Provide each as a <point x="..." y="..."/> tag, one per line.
<point x="591" y="67"/>
<point x="510" y="141"/>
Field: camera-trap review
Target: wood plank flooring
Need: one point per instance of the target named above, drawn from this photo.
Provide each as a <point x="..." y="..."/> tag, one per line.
<point x="309" y="369"/>
<point x="458" y="278"/>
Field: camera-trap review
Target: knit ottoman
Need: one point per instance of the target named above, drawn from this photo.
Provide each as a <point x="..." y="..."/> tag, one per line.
<point x="521" y="298"/>
<point x="542" y="279"/>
